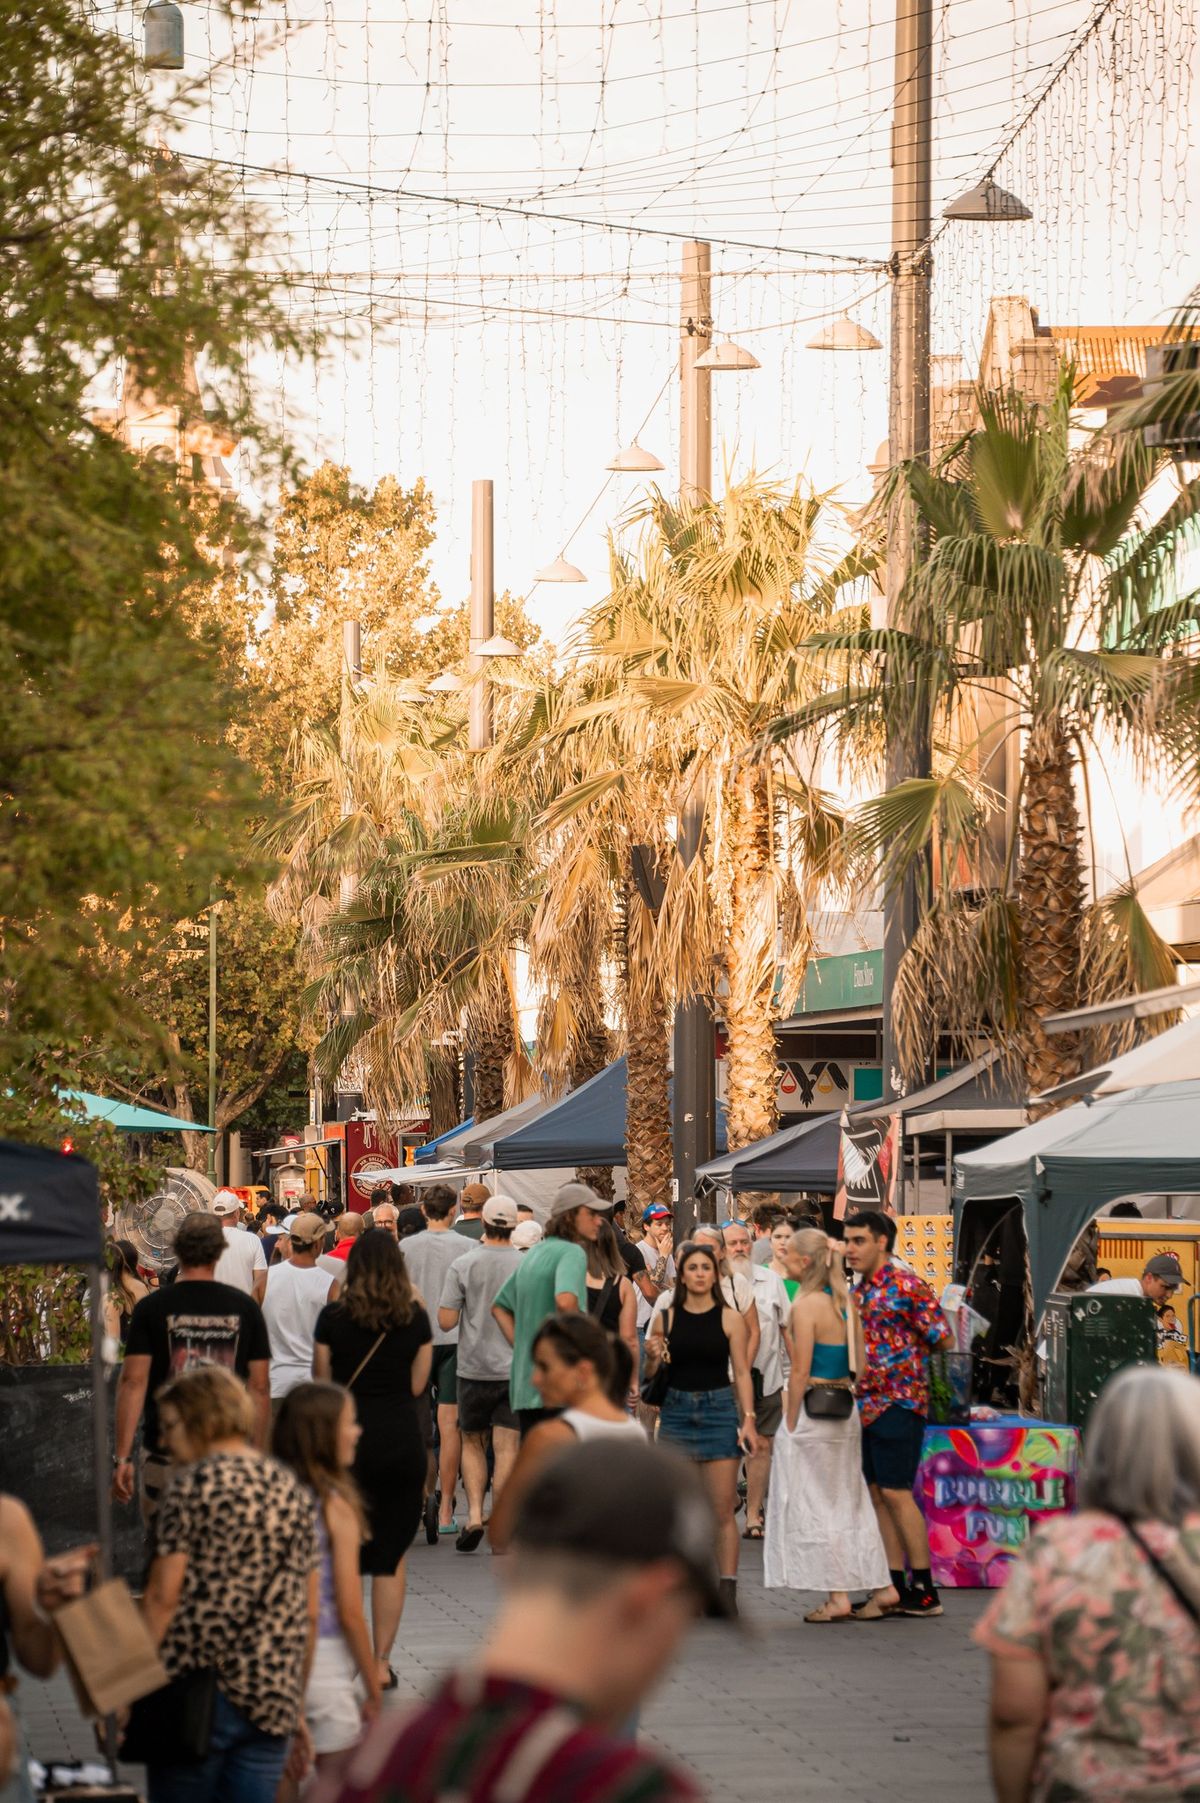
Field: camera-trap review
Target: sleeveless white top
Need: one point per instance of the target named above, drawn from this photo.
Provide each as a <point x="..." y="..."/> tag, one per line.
<point x="591" y="1427"/>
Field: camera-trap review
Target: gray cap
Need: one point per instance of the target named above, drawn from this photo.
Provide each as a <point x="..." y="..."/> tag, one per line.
<point x="1165" y="1266"/>
<point x="578" y="1195"/>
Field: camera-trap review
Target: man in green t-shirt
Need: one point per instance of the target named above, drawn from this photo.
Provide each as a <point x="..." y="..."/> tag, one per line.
<point x="552" y="1279"/>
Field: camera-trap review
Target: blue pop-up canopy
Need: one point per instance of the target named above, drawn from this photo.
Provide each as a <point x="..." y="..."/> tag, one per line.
<point x="128" y="1117"/>
<point x="586" y="1127"/>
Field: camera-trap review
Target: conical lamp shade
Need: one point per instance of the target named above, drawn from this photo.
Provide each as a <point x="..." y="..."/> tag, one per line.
<point x="844" y="334"/>
<point x="989" y="203"/>
<point x="633" y="460"/>
<point x="560" y="571"/>
<point x="727" y="355"/>
<point x="446" y="684"/>
<point x="498" y="646"/>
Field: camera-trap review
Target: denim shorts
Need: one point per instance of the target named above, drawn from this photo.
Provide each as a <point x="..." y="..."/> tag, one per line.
<point x="703" y="1424"/>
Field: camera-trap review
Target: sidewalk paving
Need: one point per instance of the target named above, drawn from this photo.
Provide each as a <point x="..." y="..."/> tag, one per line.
<point x="783" y="1714"/>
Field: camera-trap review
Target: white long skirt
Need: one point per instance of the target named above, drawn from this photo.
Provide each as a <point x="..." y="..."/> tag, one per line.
<point x="821" y="1532"/>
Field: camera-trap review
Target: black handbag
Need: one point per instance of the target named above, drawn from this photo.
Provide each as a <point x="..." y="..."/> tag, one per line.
<point x="830" y="1401"/>
<point x="653" y="1392"/>
<point x="173" y="1725"/>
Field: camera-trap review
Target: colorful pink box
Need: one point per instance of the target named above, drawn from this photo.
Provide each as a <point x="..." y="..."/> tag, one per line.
<point x="984" y="1489"/>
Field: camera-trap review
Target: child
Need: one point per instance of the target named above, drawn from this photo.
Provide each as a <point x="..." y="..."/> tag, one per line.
<point x="315" y="1435"/>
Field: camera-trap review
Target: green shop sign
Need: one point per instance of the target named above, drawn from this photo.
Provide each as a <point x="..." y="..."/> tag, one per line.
<point x="852" y="980"/>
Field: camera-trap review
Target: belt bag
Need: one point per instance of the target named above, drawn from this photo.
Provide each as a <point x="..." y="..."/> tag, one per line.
<point x="174" y="1725"/>
<point x="829" y="1402"/>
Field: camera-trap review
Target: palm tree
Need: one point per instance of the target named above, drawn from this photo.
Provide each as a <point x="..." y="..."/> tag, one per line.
<point x="698" y="647"/>
<point x="1046" y="617"/>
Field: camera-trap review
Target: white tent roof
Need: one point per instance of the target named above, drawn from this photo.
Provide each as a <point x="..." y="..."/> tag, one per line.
<point x="473" y="1145"/>
<point x="1170" y="1057"/>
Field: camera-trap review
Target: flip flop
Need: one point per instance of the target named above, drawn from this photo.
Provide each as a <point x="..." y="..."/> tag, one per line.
<point x="821" y="1620"/>
<point x="392" y="1680"/>
<point x="468" y="1540"/>
<point x="451" y="1526"/>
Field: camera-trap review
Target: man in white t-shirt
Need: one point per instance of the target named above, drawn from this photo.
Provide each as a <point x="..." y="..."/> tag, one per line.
<point x="296" y="1293"/>
<point x="769" y="1365"/>
<point x="1158" y="1282"/>
<point x="243" y="1262"/>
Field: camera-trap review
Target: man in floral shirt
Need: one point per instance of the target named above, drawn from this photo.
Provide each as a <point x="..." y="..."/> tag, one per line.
<point x="901" y="1323"/>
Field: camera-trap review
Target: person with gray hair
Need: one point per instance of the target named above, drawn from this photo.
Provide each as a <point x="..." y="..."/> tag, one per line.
<point x="1095" y="1640"/>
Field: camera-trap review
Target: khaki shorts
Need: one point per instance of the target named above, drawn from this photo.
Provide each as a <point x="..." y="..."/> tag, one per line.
<point x="768" y="1410"/>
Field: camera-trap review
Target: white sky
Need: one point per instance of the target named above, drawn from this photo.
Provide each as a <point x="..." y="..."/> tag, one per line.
<point x="491" y="344"/>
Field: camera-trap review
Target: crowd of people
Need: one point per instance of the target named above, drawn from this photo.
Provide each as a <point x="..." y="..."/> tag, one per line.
<point x="300" y="1396"/>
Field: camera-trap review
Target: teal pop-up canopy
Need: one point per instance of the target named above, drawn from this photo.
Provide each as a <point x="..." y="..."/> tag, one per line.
<point x="1063" y="1169"/>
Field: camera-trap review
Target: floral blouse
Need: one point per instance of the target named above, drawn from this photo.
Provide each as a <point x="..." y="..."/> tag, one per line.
<point x="901" y="1321"/>
<point x="1121" y="1653"/>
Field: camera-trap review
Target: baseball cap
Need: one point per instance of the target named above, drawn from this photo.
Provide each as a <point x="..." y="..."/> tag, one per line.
<point x="526" y="1234"/>
<point x="626" y="1501"/>
<point x="657" y="1211"/>
<point x="498" y="1211"/>
<point x="1166" y="1267"/>
<point x="306" y="1229"/>
<point x="578" y="1195"/>
<point x="474" y="1195"/>
<point x="225" y="1202"/>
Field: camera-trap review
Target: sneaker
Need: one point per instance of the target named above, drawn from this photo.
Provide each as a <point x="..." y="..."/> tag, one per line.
<point x="920" y="1602"/>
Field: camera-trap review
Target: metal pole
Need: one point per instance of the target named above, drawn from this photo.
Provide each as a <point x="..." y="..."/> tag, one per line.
<point x="102" y="1467"/>
<point x="347" y="1080"/>
<point x="908" y="425"/>
<point x="694" y="1104"/>
<point x="213" y="905"/>
<point x="483" y="615"/>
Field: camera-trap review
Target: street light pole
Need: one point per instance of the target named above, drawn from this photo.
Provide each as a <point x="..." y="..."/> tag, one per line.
<point x="694" y="1105"/>
<point x="483" y="615"/>
<point x="212" y="1033"/>
<point x="908" y="428"/>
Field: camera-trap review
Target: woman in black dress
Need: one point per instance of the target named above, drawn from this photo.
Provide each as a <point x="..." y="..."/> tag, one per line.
<point x="375" y="1341"/>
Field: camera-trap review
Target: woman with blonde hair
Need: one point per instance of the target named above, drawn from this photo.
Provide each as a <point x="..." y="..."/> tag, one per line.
<point x="821" y="1532"/>
<point x="1095" y="1638"/>
<point x="232" y="1590"/>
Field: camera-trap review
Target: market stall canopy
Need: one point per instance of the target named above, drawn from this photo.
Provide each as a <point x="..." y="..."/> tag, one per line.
<point x="472" y="1144"/>
<point x="49" y="1207"/>
<point x="985" y="1096"/>
<point x="1170" y="1057"/>
<point x="1063" y="1169"/>
<point x="429" y="1151"/>
<point x="803" y="1156"/>
<point x="586" y="1127"/>
<point x="128" y="1117"/>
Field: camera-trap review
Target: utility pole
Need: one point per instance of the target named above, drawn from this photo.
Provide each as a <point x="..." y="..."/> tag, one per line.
<point x="213" y="904"/>
<point x="347" y="1087"/>
<point x="908" y="426"/>
<point x="694" y="1107"/>
<point x="483" y="615"/>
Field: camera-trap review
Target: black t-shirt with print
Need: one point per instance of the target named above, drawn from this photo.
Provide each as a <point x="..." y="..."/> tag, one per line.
<point x="196" y="1322"/>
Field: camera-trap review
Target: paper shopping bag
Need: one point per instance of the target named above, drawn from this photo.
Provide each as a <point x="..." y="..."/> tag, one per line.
<point x="109" y="1651"/>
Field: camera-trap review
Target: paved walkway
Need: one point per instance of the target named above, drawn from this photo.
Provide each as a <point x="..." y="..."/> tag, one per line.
<point x="782" y="1714"/>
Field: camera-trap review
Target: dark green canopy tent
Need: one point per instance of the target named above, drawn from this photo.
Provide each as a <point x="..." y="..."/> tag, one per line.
<point x="1063" y="1169"/>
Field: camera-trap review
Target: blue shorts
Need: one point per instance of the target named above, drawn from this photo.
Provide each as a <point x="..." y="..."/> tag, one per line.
<point x="703" y="1424"/>
<point x="891" y="1448"/>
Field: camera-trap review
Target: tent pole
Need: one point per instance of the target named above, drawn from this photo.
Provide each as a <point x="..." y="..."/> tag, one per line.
<point x="949" y="1173"/>
<point x="916" y="1198"/>
<point x="101" y="1463"/>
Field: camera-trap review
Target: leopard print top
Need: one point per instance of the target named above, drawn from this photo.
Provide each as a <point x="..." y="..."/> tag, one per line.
<point x="247" y="1527"/>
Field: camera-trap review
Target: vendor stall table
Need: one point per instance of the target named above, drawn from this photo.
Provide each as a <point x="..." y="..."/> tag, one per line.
<point x="984" y="1487"/>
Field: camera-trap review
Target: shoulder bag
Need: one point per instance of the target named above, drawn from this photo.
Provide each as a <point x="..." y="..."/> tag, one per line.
<point x="1186" y="1603"/>
<point x="365" y="1361"/>
<point x="654" y="1391"/>
<point x="833" y="1399"/>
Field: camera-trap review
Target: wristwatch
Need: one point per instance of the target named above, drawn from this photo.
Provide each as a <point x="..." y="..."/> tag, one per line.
<point x="118" y="1461"/>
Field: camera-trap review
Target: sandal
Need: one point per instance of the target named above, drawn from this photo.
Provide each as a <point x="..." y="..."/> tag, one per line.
<point x="823" y="1616"/>
<point x="451" y="1526"/>
<point x="469" y="1539"/>
<point x="429" y="1514"/>
<point x="874" y="1611"/>
<point x="753" y="1531"/>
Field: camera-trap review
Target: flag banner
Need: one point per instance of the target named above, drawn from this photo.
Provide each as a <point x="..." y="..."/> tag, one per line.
<point x="868" y="1164"/>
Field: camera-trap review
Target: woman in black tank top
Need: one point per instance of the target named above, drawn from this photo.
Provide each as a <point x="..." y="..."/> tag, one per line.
<point x="705" y="1344"/>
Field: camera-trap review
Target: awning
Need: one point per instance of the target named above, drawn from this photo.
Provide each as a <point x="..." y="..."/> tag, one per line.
<point x="473" y="1143"/>
<point x="1063" y="1169"/>
<point x="586" y="1127"/>
<point x="49" y="1207"/>
<point x="128" y="1117"/>
<point x="979" y="1097"/>
<point x="429" y="1150"/>
<point x="1170" y="1057"/>
<point x="800" y="1157"/>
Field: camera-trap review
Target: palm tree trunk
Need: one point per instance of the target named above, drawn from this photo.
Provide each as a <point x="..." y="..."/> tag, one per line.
<point x="490" y="1043"/>
<point x="591" y="1054"/>
<point x="445" y="1090"/>
<point x="751" y="1054"/>
<point x="1050" y="896"/>
<point x="647" y="1098"/>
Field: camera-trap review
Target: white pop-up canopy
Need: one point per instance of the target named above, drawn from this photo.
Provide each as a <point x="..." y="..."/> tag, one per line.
<point x="1170" y="1057"/>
